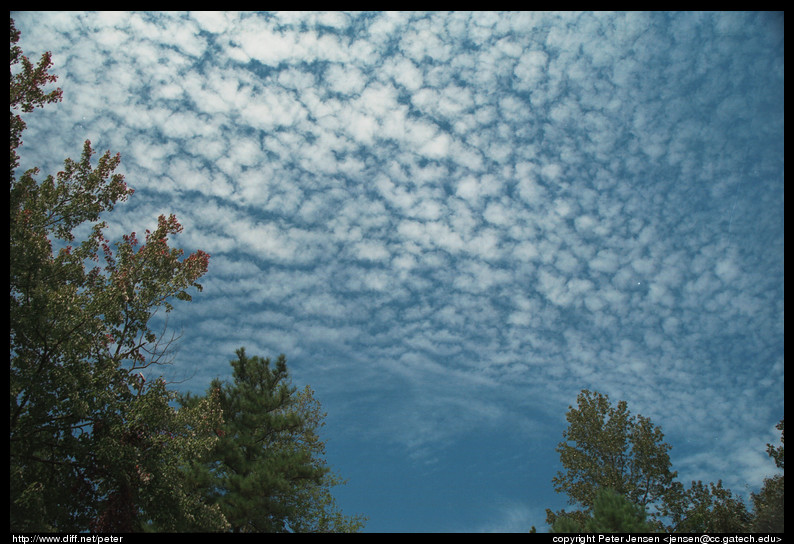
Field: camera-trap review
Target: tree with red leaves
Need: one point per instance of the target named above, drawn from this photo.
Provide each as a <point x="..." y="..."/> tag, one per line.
<point x="92" y="447"/>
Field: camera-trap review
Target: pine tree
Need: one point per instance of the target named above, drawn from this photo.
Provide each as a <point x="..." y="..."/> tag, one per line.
<point x="612" y="513"/>
<point x="267" y="472"/>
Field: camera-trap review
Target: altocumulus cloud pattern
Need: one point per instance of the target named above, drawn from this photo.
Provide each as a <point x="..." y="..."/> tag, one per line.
<point x="452" y="223"/>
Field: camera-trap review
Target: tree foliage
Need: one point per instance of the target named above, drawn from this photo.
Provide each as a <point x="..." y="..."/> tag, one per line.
<point x="92" y="445"/>
<point x="27" y="90"/>
<point x="267" y="471"/>
<point x="611" y="513"/>
<point x="708" y="508"/>
<point x="606" y="448"/>
<point x="768" y="503"/>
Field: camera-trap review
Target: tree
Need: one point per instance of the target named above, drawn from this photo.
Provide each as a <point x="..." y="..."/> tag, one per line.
<point x="768" y="503"/>
<point x="706" y="508"/>
<point x="27" y="91"/>
<point x="146" y="453"/>
<point x="611" y="513"/>
<point x="318" y="511"/>
<point x="606" y="447"/>
<point x="267" y="471"/>
<point x="86" y="432"/>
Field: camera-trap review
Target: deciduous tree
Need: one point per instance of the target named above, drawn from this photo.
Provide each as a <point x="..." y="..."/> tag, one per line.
<point x="607" y="447"/>
<point x="86" y="434"/>
<point x="768" y="503"/>
<point x="709" y="508"/>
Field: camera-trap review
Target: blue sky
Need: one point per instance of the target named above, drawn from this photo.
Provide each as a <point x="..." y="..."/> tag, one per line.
<point x="451" y="223"/>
